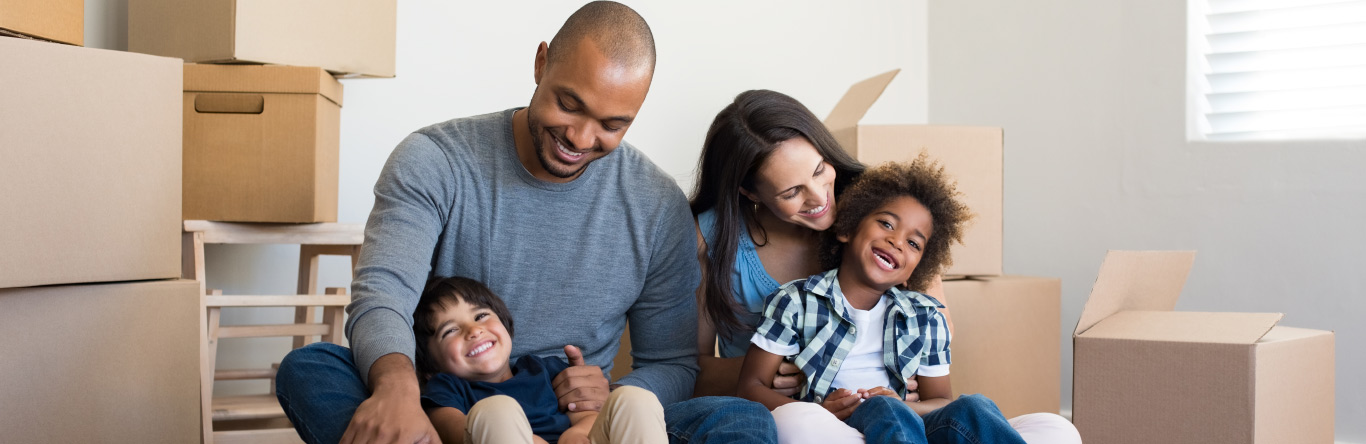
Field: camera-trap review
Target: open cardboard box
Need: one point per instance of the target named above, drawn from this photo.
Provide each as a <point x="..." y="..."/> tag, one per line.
<point x="261" y="143"/>
<point x="346" y="37"/>
<point x="971" y="155"/>
<point x="1144" y="373"/>
<point x="56" y="20"/>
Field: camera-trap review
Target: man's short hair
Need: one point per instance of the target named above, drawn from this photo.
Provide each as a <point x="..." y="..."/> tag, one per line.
<point x="619" y="32"/>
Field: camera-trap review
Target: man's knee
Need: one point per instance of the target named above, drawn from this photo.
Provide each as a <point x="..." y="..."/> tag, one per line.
<point x="308" y="362"/>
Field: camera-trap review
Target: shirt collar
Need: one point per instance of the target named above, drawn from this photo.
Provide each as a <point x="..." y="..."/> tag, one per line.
<point x="825" y="285"/>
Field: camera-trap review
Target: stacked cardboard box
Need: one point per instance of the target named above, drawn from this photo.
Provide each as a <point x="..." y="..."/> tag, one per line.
<point x="1145" y="373"/>
<point x="91" y="213"/>
<point x="55" y="20"/>
<point x="1007" y="331"/>
<point x="262" y="141"/>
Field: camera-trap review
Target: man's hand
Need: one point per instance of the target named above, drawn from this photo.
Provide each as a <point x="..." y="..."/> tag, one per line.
<point x="393" y="414"/>
<point x="911" y="394"/>
<point x="842" y="403"/>
<point x="580" y="387"/>
<point x="788" y="380"/>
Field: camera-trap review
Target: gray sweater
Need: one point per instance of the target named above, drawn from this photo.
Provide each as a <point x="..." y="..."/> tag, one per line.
<point x="573" y="261"/>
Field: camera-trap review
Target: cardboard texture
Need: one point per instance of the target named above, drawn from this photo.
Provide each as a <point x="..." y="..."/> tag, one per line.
<point x="346" y="37"/>
<point x="1006" y="333"/>
<point x="90" y="142"/>
<point x="1144" y="373"/>
<point x="56" y="20"/>
<point x="261" y="143"/>
<point x="972" y="155"/>
<point x="100" y="363"/>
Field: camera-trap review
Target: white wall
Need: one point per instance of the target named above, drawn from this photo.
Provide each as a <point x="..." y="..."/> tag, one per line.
<point x="463" y="58"/>
<point x="1092" y="98"/>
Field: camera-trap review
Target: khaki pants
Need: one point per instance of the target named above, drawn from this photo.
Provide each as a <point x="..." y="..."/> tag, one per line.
<point x="631" y="415"/>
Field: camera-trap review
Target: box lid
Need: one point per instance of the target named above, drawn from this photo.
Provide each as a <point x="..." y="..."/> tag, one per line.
<point x="856" y="102"/>
<point x="1184" y="326"/>
<point x="1136" y="280"/>
<point x="262" y="79"/>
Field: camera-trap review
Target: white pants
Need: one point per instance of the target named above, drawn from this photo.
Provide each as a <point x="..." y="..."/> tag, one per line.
<point x="809" y="423"/>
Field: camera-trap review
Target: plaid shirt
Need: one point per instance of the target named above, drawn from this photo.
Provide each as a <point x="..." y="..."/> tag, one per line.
<point x="799" y="314"/>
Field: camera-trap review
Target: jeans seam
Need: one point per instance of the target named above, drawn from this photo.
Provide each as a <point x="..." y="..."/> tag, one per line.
<point x="301" y="429"/>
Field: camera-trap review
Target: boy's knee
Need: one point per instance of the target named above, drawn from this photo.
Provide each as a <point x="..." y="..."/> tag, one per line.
<point x="972" y="405"/>
<point x="494" y="405"/>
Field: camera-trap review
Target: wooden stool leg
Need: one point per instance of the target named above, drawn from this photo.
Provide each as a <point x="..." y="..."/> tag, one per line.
<point x="208" y="359"/>
<point x="308" y="284"/>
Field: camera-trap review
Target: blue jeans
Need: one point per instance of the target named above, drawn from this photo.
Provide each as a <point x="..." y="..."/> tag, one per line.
<point x="971" y="419"/>
<point x="320" y="388"/>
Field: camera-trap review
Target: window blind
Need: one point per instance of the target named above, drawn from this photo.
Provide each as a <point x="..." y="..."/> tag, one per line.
<point x="1284" y="69"/>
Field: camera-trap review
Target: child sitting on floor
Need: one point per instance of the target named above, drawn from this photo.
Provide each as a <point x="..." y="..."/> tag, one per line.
<point x="858" y="334"/>
<point x="474" y="394"/>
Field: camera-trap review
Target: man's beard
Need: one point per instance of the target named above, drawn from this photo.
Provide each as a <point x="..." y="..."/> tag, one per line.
<point x="543" y="151"/>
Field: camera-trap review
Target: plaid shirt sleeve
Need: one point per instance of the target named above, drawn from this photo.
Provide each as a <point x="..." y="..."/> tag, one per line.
<point x="782" y="315"/>
<point x="937" y="332"/>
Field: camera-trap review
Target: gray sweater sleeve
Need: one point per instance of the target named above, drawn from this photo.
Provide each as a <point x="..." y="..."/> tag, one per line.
<point x="412" y="198"/>
<point x="663" y="321"/>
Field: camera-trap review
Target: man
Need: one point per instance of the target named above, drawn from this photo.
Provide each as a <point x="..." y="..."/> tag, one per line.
<point x="576" y="229"/>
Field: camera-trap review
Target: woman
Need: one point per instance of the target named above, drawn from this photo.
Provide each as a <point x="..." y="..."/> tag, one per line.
<point x="767" y="181"/>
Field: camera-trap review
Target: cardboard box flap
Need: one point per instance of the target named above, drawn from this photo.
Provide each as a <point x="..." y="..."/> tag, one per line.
<point x="858" y="100"/>
<point x="1136" y="280"/>
<point x="262" y="79"/>
<point x="1185" y="326"/>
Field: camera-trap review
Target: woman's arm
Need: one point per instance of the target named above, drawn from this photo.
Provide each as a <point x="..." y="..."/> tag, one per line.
<point x="449" y="423"/>
<point x="935" y="393"/>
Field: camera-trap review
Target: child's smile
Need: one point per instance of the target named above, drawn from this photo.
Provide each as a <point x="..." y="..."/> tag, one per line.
<point x="471" y="342"/>
<point x="887" y="245"/>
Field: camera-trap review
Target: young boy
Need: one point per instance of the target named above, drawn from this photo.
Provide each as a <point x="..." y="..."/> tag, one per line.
<point x="859" y="335"/>
<point x="473" y="394"/>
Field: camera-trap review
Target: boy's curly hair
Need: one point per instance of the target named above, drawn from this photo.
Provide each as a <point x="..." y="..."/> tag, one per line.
<point x="923" y="179"/>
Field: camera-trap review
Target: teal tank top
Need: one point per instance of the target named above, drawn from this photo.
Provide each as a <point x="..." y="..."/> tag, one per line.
<point x="749" y="281"/>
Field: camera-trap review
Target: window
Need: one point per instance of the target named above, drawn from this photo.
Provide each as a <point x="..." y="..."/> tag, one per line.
<point x="1277" y="69"/>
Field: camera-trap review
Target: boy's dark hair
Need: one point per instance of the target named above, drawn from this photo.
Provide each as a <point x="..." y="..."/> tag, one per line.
<point x="922" y="179"/>
<point x="447" y="292"/>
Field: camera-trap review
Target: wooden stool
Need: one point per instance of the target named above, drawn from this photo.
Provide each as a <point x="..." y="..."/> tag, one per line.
<point x="314" y="240"/>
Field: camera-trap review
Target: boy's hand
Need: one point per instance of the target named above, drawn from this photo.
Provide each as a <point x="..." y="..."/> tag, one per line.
<point x="841" y="403"/>
<point x="575" y="435"/>
<point x="580" y="387"/>
<point x="788" y="380"/>
<point x="876" y="391"/>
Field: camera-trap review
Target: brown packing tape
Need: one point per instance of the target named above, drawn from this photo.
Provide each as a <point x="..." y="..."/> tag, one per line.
<point x="230" y="103"/>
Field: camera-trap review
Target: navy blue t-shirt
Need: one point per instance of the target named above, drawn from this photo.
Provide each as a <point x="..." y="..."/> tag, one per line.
<point x="530" y="385"/>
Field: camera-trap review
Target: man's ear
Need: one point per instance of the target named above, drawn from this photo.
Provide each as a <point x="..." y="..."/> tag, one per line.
<point x="542" y="54"/>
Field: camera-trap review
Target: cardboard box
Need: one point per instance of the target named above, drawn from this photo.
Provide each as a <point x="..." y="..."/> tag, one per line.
<point x="100" y="363"/>
<point x="55" y="20"/>
<point x="1144" y="373"/>
<point x="341" y="36"/>
<point x="89" y="165"/>
<point x="972" y="155"/>
<point x="261" y="143"/>
<point x="1007" y="335"/>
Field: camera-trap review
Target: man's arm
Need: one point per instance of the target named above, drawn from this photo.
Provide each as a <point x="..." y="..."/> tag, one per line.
<point x="412" y="199"/>
<point x="664" y="319"/>
<point x="400" y="237"/>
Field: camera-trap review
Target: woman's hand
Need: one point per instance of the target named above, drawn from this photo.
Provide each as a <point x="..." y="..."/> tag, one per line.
<point x="788" y="380"/>
<point x="876" y="391"/>
<point x="912" y="394"/>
